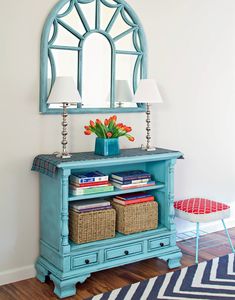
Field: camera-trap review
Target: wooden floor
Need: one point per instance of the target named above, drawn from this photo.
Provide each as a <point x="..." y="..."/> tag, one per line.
<point x="211" y="245"/>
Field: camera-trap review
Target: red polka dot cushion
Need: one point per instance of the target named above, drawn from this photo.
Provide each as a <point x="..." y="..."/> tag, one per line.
<point x="201" y="210"/>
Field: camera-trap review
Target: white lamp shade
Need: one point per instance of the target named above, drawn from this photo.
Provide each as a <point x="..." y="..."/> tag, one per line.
<point x="147" y="92"/>
<point x="123" y="91"/>
<point x="64" y="90"/>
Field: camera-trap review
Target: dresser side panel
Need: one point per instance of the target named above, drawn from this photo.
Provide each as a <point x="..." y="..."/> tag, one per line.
<point x="50" y="210"/>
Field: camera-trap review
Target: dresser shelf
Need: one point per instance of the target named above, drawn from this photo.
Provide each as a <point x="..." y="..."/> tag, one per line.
<point x="119" y="237"/>
<point x="158" y="185"/>
<point x="68" y="263"/>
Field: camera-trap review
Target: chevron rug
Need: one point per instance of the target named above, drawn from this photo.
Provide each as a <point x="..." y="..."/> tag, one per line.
<point x="214" y="279"/>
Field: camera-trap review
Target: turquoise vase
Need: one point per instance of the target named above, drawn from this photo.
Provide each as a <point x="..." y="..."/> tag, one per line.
<point x="107" y="147"/>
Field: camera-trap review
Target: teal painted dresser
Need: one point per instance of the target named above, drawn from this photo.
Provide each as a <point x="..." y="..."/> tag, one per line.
<point x="67" y="263"/>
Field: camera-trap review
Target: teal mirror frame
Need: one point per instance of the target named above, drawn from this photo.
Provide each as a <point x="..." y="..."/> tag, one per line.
<point x="54" y="18"/>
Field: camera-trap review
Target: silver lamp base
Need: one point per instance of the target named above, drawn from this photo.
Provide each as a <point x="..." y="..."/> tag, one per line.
<point x="120" y="104"/>
<point x="148" y="148"/>
<point x="63" y="155"/>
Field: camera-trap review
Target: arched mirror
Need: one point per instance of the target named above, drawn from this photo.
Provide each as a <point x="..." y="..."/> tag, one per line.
<point x="97" y="42"/>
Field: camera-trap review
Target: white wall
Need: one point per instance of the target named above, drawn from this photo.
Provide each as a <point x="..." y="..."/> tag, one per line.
<point x="191" y="54"/>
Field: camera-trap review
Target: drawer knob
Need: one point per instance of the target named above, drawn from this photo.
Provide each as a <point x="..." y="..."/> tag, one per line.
<point x="162" y="244"/>
<point x="126" y="252"/>
<point x="87" y="261"/>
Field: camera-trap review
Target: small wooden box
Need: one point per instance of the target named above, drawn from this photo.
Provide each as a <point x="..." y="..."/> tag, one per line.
<point x="91" y="226"/>
<point x="136" y="217"/>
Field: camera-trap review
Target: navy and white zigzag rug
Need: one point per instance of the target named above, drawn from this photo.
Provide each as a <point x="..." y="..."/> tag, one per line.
<point x="214" y="279"/>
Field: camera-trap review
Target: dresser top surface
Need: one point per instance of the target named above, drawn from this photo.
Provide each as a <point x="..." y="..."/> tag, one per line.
<point x="124" y="153"/>
<point x="50" y="162"/>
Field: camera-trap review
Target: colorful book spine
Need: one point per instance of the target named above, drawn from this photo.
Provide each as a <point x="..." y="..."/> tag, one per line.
<point x="90" y="205"/>
<point x="100" y="189"/>
<point x="133" y="196"/>
<point x="134" y="177"/>
<point x="81" y="180"/>
<point x="131" y="175"/>
<point x="130" y="181"/>
<point x="133" y="186"/>
<point x="88" y="187"/>
<point x="128" y="202"/>
<point x="95" y="183"/>
<point x="82" y="210"/>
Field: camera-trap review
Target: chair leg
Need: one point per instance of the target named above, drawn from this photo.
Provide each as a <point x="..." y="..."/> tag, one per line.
<point x="197" y="241"/>
<point x="228" y="236"/>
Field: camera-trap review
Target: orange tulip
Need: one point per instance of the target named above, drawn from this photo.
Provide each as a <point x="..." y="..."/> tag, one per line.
<point x="87" y="132"/>
<point x="92" y="124"/>
<point x="119" y="129"/>
<point x="131" y="139"/>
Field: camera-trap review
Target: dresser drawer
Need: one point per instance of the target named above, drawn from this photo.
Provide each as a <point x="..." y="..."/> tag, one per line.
<point x="158" y="243"/>
<point x="124" y="251"/>
<point x="84" y="260"/>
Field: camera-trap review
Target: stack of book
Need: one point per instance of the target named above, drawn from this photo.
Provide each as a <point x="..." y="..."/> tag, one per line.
<point x="133" y="198"/>
<point x="90" y="205"/>
<point x="131" y="179"/>
<point x="89" y="183"/>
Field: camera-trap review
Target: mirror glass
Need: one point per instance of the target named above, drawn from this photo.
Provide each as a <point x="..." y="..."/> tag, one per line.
<point x="97" y="43"/>
<point x="124" y="71"/>
<point x="89" y="12"/>
<point x="96" y="71"/>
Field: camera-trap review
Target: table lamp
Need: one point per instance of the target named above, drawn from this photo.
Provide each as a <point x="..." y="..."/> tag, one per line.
<point x="147" y="92"/>
<point x="64" y="92"/>
<point x="122" y="92"/>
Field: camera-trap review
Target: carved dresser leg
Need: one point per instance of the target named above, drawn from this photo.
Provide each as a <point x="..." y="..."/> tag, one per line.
<point x="174" y="263"/>
<point x="67" y="288"/>
<point x="41" y="272"/>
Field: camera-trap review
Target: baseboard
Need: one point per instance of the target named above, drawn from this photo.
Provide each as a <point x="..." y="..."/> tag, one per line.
<point x="18" y="274"/>
<point x="217" y="226"/>
<point x="184" y="226"/>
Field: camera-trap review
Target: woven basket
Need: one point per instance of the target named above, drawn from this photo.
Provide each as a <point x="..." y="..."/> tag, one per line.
<point x="91" y="226"/>
<point x="136" y="217"/>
